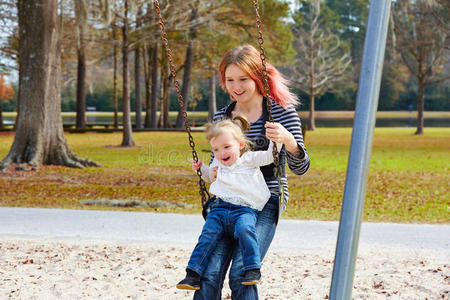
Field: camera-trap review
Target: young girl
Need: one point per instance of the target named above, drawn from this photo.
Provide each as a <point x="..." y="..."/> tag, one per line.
<point x="241" y="76"/>
<point x="241" y="192"/>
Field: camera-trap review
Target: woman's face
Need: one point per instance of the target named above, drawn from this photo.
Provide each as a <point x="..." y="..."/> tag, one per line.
<point x="226" y="148"/>
<point x="239" y="85"/>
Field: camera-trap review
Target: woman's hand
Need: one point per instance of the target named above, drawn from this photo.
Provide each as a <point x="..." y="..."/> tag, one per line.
<point x="278" y="134"/>
<point x="196" y="165"/>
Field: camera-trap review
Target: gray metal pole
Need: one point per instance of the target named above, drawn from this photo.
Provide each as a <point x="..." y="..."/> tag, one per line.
<point x="360" y="150"/>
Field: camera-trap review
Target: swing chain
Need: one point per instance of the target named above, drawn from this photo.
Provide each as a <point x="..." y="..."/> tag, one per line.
<point x="266" y="83"/>
<point x="203" y="191"/>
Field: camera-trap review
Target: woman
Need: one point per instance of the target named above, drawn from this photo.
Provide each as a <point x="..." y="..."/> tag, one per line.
<point x="242" y="78"/>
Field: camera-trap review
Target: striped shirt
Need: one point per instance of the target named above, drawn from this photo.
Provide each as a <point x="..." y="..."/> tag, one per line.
<point x="290" y="120"/>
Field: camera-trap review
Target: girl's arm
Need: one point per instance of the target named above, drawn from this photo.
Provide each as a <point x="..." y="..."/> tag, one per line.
<point x="206" y="170"/>
<point x="261" y="158"/>
<point x="206" y="173"/>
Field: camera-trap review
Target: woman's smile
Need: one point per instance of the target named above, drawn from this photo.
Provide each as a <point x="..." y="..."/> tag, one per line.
<point x="240" y="86"/>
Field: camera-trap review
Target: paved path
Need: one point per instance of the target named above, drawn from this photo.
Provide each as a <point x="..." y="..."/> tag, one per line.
<point x="184" y="229"/>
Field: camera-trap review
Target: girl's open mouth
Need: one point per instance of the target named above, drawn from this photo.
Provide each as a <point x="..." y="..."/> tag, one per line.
<point x="226" y="159"/>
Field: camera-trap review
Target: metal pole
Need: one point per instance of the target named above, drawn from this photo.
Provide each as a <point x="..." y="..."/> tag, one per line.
<point x="360" y="150"/>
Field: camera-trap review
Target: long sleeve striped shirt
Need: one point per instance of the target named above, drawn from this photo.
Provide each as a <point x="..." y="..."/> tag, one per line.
<point x="290" y="120"/>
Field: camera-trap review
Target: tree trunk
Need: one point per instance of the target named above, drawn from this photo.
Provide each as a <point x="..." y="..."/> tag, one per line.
<point x="18" y="102"/>
<point x="81" y="83"/>
<point x="420" y="107"/>
<point x="39" y="136"/>
<point x="127" y="138"/>
<point x="116" y="101"/>
<point x="147" y="57"/>
<point x="1" y="113"/>
<point x="164" y="121"/>
<point x="212" y="96"/>
<point x="137" y="76"/>
<point x="311" y="121"/>
<point x="166" y="100"/>
<point x="137" y="87"/>
<point x="187" y="68"/>
<point x="154" y="98"/>
<point x="80" y="13"/>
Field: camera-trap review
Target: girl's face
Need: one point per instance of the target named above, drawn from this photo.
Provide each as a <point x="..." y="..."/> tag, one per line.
<point x="226" y="148"/>
<point x="239" y="85"/>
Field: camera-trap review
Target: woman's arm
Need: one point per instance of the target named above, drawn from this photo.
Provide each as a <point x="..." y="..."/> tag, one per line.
<point x="287" y="130"/>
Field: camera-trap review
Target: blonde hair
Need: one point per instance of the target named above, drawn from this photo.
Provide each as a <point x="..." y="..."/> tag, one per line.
<point x="236" y="127"/>
<point x="248" y="59"/>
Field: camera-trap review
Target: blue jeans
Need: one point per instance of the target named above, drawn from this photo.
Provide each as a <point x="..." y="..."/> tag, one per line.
<point x="227" y="249"/>
<point x="232" y="220"/>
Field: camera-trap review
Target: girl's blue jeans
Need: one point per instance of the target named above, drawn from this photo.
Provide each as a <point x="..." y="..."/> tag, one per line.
<point x="219" y="261"/>
<point x="227" y="219"/>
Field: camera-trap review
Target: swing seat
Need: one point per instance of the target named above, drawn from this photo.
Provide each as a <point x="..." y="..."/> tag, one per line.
<point x="207" y="206"/>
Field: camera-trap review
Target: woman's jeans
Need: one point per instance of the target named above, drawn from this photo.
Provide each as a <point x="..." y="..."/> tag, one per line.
<point x="227" y="219"/>
<point x="227" y="249"/>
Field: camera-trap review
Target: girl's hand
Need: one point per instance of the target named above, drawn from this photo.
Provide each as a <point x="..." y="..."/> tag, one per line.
<point x="196" y="165"/>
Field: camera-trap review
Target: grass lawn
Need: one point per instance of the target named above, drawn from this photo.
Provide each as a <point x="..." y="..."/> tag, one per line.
<point x="408" y="178"/>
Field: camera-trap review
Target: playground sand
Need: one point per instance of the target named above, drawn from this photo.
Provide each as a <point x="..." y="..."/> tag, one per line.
<point x="39" y="268"/>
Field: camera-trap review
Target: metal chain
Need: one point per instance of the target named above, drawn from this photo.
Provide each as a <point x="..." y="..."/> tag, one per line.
<point x="266" y="84"/>
<point x="203" y="191"/>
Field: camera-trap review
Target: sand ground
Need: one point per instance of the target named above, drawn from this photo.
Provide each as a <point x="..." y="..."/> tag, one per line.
<point x="45" y="254"/>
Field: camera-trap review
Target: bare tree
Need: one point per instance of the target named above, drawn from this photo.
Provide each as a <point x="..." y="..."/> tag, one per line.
<point x="166" y="78"/>
<point x="151" y="84"/>
<point x="212" y="95"/>
<point x="8" y="23"/>
<point x="81" y="13"/>
<point x="137" y="74"/>
<point x="321" y="62"/>
<point x="115" y="97"/>
<point x="421" y="34"/>
<point x="127" y="138"/>
<point x="188" y="62"/>
<point x="39" y="134"/>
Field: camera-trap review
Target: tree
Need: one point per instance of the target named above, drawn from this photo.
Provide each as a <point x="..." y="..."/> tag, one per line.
<point x="137" y="74"/>
<point x="127" y="138"/>
<point x="350" y="23"/>
<point x="322" y="60"/>
<point x="150" y="56"/>
<point x="6" y="93"/>
<point x="188" y="62"/>
<point x="115" y="51"/>
<point x="8" y="33"/>
<point x="212" y="96"/>
<point x="421" y="29"/>
<point x="81" y="12"/>
<point x="39" y="134"/>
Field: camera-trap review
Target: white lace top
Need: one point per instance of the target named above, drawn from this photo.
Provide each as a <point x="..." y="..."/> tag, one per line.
<point x="242" y="183"/>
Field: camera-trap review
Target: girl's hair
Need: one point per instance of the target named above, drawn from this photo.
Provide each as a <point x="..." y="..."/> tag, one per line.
<point x="248" y="59"/>
<point x="236" y="127"/>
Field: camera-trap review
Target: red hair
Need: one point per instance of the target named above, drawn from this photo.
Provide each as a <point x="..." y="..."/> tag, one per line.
<point x="248" y="59"/>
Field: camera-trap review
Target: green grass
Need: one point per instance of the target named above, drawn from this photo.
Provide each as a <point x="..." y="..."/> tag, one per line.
<point x="408" y="175"/>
